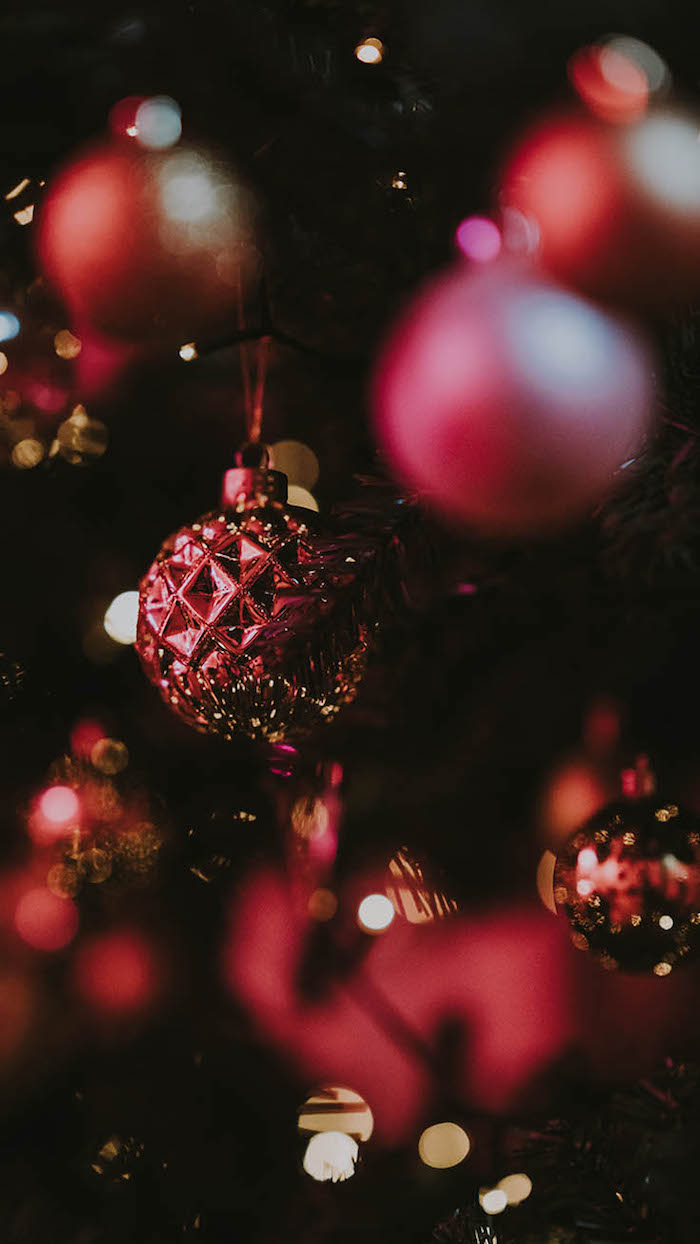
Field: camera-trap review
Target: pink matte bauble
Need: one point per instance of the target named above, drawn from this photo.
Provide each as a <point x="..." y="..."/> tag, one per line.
<point x="148" y="244"/>
<point x="615" y="208"/>
<point x="508" y="401"/>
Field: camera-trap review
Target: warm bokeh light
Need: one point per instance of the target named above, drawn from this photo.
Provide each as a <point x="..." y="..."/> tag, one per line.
<point x="66" y="344"/>
<point x="116" y="973"/>
<point x="414" y="897"/>
<point x="302" y="498"/>
<point x="479" y="238"/>
<point x="188" y="352"/>
<point x="545" y="880"/>
<point x="25" y="215"/>
<point x="375" y="913"/>
<point x="109" y="756"/>
<point x="81" y="439"/>
<point x="297" y="461"/>
<point x="331" y="1156"/>
<point x="158" y="123"/>
<point x="28" y="453"/>
<point x="60" y="806"/>
<point x="9" y="326"/>
<point x="443" y="1145"/>
<point x="516" y="1187"/>
<point x="370" y="51"/>
<point x="121" y="618"/>
<point x="666" y="923"/>
<point x="45" y="921"/>
<point x="17" y="190"/>
<point x="587" y="860"/>
<point x="493" y="1201"/>
<point x="3" y="363"/>
<point x="322" y="905"/>
<point x="337" y="1109"/>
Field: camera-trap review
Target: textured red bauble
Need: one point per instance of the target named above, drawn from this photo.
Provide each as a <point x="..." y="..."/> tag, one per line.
<point x="245" y="625"/>
<point x="148" y="244"/>
<point x="509" y="401"/>
<point x="616" y="207"/>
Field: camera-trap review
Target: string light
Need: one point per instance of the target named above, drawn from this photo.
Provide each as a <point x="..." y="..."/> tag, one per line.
<point x="25" y="215"/>
<point x="375" y="913"/>
<point x="302" y="498"/>
<point x="443" y="1145"/>
<point x="370" y="51"/>
<point x="516" y="1187"/>
<point x="337" y="1109"/>
<point x="16" y="190"/>
<point x="493" y="1200"/>
<point x="158" y="123"/>
<point x="188" y="352"/>
<point x="67" y="345"/>
<point x="9" y="326"/>
<point x="121" y="618"/>
<point x="331" y="1156"/>
<point x="27" y="453"/>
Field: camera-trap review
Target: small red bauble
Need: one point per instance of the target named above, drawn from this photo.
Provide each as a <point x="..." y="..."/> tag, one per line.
<point x="616" y="208"/>
<point x="148" y="244"/>
<point x="240" y="625"/>
<point x="509" y="401"/>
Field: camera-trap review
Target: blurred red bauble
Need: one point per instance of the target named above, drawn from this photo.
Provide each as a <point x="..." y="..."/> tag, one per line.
<point x="509" y="401"/>
<point x="244" y="622"/>
<point x="615" y="208"/>
<point x="148" y="244"/>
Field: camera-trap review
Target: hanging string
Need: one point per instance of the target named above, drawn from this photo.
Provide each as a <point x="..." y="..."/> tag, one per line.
<point x="244" y="354"/>
<point x="255" y="420"/>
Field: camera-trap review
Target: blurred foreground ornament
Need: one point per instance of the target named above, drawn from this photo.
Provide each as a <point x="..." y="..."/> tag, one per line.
<point x="148" y="244"/>
<point x="629" y="883"/>
<point x="616" y="207"/>
<point x="510" y="401"/>
<point x="252" y="622"/>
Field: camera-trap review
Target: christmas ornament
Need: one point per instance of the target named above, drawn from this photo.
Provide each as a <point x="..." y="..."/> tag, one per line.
<point x="629" y="883"/>
<point x="616" y="208"/>
<point x="508" y="400"/>
<point x="246" y="618"/>
<point x="146" y="243"/>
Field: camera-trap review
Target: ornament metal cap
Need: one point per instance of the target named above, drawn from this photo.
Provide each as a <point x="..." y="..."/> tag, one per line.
<point x="252" y="478"/>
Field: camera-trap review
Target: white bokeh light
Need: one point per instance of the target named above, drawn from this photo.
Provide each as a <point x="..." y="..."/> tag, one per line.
<point x="121" y="618"/>
<point x="664" y="157"/>
<point x="561" y="343"/>
<point x="331" y="1156"/>
<point x="375" y="913"/>
<point x="158" y="123"/>
<point x="189" y="193"/>
<point x="493" y="1201"/>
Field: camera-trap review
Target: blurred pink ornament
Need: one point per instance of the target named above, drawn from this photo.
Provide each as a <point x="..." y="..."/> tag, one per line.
<point x="478" y="238"/>
<point x="611" y="85"/>
<point x="117" y="973"/>
<point x="45" y="921"/>
<point x="616" y="208"/>
<point x="148" y="244"/>
<point x="509" y="401"/>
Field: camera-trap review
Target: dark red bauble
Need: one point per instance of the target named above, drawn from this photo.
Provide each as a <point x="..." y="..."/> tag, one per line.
<point x="508" y="401"/>
<point x="616" y="208"/>
<point x="148" y="244"/>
